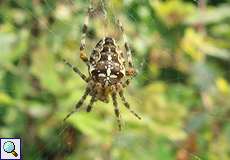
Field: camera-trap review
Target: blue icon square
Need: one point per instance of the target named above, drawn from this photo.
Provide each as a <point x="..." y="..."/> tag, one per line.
<point x="11" y="149"/>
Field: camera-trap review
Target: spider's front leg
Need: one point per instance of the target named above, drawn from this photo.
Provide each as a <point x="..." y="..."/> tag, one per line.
<point x="92" y="100"/>
<point x="116" y="109"/>
<point x="120" y="87"/>
<point x="126" y="104"/>
<point x="79" y="104"/>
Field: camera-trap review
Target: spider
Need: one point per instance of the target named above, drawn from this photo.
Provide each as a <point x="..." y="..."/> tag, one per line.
<point x="108" y="74"/>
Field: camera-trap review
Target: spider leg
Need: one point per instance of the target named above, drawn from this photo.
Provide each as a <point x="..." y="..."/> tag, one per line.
<point x="126" y="83"/>
<point x="126" y="104"/>
<point x="116" y="110"/>
<point x="78" y="105"/>
<point x="76" y="70"/>
<point x="130" y="71"/>
<point x="83" y="55"/>
<point x="89" y="107"/>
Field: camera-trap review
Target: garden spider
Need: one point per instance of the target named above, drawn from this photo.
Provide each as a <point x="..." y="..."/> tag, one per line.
<point x="108" y="74"/>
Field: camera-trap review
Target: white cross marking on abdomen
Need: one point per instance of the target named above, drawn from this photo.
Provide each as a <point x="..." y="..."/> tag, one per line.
<point x="108" y="71"/>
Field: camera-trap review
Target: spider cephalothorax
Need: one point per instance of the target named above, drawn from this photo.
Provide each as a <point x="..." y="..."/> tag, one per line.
<point x="108" y="74"/>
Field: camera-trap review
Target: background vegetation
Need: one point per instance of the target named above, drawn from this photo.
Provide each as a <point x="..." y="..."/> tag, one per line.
<point x="181" y="50"/>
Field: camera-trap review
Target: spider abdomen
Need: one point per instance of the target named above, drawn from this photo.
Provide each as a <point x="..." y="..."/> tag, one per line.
<point x="107" y="62"/>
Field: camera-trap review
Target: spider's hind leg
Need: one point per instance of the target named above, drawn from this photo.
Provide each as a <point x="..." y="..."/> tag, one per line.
<point x="126" y="104"/>
<point x="130" y="71"/>
<point x="83" y="55"/>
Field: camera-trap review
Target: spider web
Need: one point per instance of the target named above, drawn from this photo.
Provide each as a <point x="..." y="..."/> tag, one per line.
<point x="141" y="63"/>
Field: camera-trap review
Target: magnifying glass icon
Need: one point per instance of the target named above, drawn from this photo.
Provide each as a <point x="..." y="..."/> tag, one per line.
<point x="9" y="147"/>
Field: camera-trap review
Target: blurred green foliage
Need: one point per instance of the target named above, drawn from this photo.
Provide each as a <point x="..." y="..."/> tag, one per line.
<point x="180" y="48"/>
